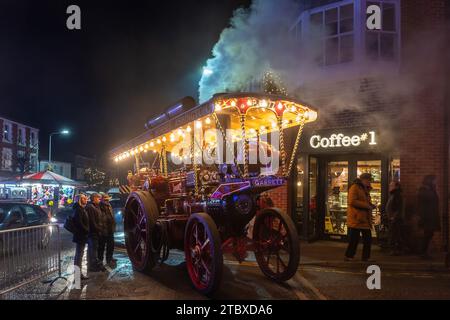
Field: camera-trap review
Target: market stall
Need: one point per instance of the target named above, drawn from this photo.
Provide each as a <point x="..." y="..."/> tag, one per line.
<point x="46" y="189"/>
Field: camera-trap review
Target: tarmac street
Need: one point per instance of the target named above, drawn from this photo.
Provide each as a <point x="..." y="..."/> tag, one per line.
<point x="322" y="275"/>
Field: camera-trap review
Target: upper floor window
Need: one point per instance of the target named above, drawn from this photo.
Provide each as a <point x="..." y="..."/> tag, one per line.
<point x="33" y="139"/>
<point x="335" y="29"/>
<point x="21" y="161"/>
<point x="6" y="161"/>
<point x="21" y="136"/>
<point x="7" y="132"/>
<point x="383" y="44"/>
<point x="33" y="162"/>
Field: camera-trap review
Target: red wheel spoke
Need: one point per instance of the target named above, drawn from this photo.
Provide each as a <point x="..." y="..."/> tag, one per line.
<point x="196" y="271"/>
<point x="140" y="218"/>
<point x="269" y="225"/>
<point x="133" y="211"/>
<point x="278" y="263"/>
<point x="205" y="244"/>
<point x="196" y="233"/>
<point x="208" y="272"/>
<point x="268" y="255"/>
<point x="281" y="261"/>
<point x="138" y="245"/>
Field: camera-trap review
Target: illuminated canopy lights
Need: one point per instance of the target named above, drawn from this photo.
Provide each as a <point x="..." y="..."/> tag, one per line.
<point x="311" y="115"/>
<point x="287" y="113"/>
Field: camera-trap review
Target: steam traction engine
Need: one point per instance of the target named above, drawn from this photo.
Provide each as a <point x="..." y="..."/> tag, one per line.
<point x="207" y="209"/>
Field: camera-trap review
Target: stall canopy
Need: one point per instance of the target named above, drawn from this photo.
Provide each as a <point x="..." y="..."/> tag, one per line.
<point x="43" y="177"/>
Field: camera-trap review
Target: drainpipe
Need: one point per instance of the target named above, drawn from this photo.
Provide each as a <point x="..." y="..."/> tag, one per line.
<point x="446" y="146"/>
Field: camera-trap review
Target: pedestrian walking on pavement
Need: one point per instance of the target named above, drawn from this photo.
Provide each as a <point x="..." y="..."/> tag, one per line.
<point x="395" y="213"/>
<point x="359" y="217"/>
<point x="80" y="235"/>
<point x="428" y="209"/>
<point x="96" y="230"/>
<point x="107" y="240"/>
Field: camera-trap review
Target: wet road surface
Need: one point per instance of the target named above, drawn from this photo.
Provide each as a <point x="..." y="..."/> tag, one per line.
<point x="240" y="281"/>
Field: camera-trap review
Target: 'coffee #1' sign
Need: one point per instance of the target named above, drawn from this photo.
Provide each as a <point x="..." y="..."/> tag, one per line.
<point x="340" y="140"/>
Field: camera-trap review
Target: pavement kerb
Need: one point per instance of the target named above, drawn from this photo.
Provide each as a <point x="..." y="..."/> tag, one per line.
<point x="388" y="266"/>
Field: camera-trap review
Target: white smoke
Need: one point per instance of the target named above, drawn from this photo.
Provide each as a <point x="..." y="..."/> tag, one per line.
<point x="257" y="39"/>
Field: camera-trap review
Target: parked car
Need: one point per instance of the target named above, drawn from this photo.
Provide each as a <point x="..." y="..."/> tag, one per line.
<point x="18" y="215"/>
<point x="63" y="213"/>
<point x="114" y="193"/>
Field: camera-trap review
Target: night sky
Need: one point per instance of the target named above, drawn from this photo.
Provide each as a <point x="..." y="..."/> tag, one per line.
<point x="130" y="60"/>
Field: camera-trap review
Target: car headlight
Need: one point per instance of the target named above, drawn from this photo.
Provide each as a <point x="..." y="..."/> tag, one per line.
<point x="53" y="220"/>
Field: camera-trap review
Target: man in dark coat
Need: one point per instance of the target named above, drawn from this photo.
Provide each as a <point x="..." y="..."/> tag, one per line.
<point x="80" y="236"/>
<point x="428" y="209"/>
<point x="107" y="240"/>
<point x="395" y="213"/>
<point x="96" y="231"/>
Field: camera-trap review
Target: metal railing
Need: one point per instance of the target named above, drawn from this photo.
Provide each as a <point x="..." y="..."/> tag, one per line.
<point x="29" y="254"/>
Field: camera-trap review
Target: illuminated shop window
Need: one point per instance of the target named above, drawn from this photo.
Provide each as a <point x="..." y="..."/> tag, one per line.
<point x="300" y="190"/>
<point x="336" y="198"/>
<point x="394" y="171"/>
<point x="313" y="188"/>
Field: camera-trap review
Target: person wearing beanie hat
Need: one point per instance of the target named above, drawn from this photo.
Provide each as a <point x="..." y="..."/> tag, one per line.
<point x="96" y="230"/>
<point x="107" y="240"/>
<point x="80" y="235"/>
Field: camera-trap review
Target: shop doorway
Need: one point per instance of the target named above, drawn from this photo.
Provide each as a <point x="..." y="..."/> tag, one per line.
<point x="329" y="179"/>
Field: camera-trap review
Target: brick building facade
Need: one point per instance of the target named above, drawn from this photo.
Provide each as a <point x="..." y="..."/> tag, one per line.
<point x="395" y="85"/>
<point x="19" y="148"/>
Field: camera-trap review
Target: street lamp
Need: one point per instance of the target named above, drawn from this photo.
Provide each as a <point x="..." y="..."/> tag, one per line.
<point x="63" y="132"/>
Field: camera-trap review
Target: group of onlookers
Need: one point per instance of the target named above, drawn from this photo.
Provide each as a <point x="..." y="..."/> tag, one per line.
<point x="94" y="226"/>
<point x="359" y="216"/>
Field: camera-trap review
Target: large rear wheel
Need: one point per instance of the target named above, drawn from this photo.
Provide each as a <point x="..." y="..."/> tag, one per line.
<point x="141" y="213"/>
<point x="202" y="247"/>
<point x="277" y="248"/>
